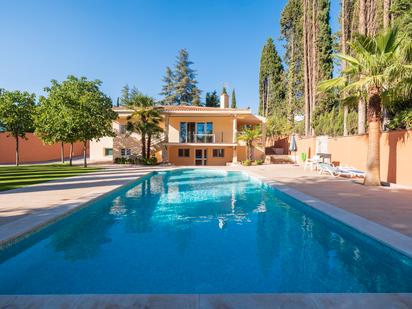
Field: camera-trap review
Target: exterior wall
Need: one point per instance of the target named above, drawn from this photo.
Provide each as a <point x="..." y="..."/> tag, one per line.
<point x="175" y="159"/>
<point x="241" y="153"/>
<point x="222" y="124"/>
<point x="97" y="149"/>
<point x="395" y="154"/>
<point x="131" y="141"/>
<point x="258" y="153"/>
<point x="33" y="149"/>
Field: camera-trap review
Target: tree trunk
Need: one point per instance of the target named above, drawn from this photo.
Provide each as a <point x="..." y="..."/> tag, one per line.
<point x="306" y="71"/>
<point x="85" y="154"/>
<point x="371" y="17"/>
<point x="291" y="79"/>
<point x="361" y="116"/>
<point x="17" y="151"/>
<point x="344" y="34"/>
<point x="71" y="154"/>
<point x="362" y="17"/>
<point x="62" y="152"/>
<point x="149" y="145"/>
<point x="345" y="120"/>
<point x="315" y="64"/>
<point x="250" y="151"/>
<point x="374" y="120"/>
<point x="361" y="104"/>
<point x="386" y="14"/>
<point x="143" y="146"/>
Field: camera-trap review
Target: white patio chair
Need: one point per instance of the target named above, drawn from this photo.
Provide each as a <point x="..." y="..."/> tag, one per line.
<point x="312" y="163"/>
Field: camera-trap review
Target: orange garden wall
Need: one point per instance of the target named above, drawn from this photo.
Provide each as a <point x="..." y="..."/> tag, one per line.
<point x="396" y="153"/>
<point x="32" y="149"/>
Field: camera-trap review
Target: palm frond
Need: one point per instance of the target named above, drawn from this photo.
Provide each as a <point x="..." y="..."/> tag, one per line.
<point x="330" y="84"/>
<point x="348" y="59"/>
<point x="387" y="41"/>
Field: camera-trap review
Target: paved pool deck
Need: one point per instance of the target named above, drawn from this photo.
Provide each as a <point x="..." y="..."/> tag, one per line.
<point x="25" y="209"/>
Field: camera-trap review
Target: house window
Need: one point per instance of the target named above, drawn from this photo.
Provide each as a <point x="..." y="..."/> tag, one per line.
<point x="218" y="153"/>
<point x="196" y="132"/>
<point x="184" y="152"/>
<point x="108" y="151"/>
<point x="187" y="132"/>
<point x="125" y="152"/>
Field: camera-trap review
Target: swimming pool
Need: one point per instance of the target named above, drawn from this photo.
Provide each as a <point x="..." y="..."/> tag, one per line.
<point x="199" y="231"/>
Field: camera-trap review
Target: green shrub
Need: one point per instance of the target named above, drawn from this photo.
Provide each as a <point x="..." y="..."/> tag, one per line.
<point x="259" y="162"/>
<point x="402" y="120"/>
<point x="331" y="123"/>
<point x="120" y="160"/>
<point x="151" y="161"/>
<point x="247" y="162"/>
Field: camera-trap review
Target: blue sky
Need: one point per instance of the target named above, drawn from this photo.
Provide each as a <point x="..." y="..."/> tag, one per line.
<point x="131" y="42"/>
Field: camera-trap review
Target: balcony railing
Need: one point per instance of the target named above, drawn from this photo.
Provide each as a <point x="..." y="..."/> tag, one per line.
<point x="214" y="138"/>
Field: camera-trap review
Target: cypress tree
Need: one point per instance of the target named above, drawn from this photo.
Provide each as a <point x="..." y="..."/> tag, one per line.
<point x="324" y="41"/>
<point x="271" y="81"/>
<point x="233" y="105"/>
<point x="291" y="25"/>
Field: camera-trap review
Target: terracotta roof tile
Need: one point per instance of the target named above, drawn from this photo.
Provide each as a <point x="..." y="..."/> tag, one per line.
<point x="189" y="108"/>
<point x="186" y="108"/>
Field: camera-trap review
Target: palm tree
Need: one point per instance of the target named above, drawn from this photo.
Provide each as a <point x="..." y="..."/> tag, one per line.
<point x="248" y="135"/>
<point x="153" y="128"/>
<point x="144" y="120"/>
<point x="377" y="70"/>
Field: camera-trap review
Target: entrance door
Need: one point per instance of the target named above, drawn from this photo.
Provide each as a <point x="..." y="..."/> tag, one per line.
<point x="200" y="156"/>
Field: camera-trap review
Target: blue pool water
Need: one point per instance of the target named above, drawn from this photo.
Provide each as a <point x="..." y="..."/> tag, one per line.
<point x="199" y="231"/>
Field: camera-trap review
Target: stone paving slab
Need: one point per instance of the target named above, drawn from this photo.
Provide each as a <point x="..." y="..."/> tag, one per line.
<point x="210" y="301"/>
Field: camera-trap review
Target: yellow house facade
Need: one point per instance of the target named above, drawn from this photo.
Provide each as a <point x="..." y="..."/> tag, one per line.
<point x="193" y="135"/>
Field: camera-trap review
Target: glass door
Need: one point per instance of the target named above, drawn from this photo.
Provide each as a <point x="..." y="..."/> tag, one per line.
<point x="201" y="157"/>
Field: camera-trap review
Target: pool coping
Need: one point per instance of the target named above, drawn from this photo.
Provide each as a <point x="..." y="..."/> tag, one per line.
<point x="391" y="238"/>
<point x="189" y="301"/>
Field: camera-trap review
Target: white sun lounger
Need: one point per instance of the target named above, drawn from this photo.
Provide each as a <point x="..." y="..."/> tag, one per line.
<point x="354" y="171"/>
<point x="334" y="171"/>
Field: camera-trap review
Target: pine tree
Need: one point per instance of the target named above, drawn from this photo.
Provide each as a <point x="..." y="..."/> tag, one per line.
<point x="124" y="98"/>
<point x="212" y="99"/>
<point x="271" y="82"/>
<point x="168" y="89"/>
<point x="196" y="97"/>
<point x="185" y="79"/>
<point x="233" y="105"/>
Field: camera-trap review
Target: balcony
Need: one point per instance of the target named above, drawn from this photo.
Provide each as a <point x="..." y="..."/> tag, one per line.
<point x="202" y="138"/>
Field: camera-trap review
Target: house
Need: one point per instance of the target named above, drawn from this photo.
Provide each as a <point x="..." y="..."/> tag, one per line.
<point x="193" y="135"/>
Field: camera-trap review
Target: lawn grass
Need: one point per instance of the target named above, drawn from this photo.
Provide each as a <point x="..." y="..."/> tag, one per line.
<point x="12" y="177"/>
